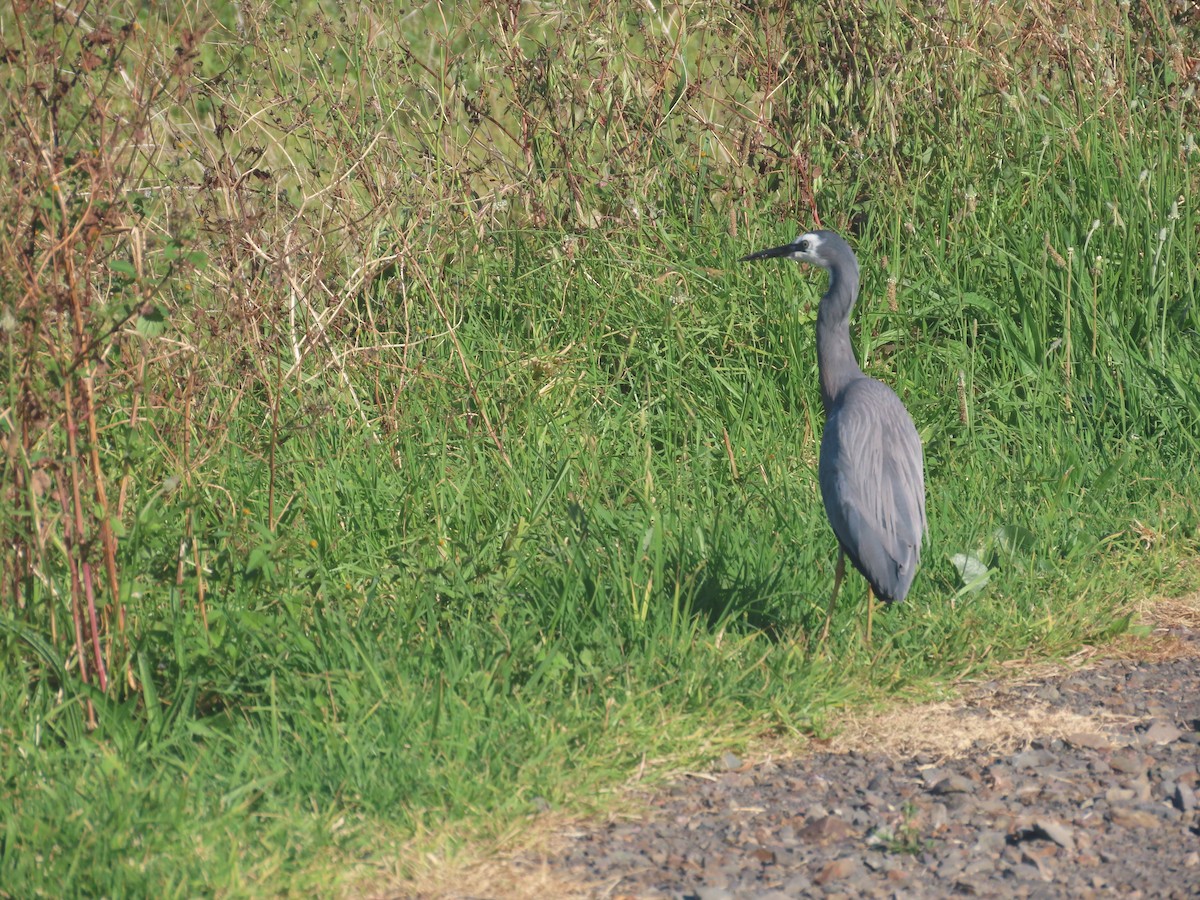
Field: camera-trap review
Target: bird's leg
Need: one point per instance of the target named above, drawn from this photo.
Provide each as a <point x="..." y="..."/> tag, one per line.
<point x="838" y="574"/>
<point x="870" y="612"/>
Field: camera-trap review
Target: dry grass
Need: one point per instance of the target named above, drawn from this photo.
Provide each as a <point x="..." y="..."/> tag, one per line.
<point x="1000" y="722"/>
<point x="516" y="877"/>
<point x="1168" y="615"/>
<point x="1159" y="625"/>
<point x="511" y="867"/>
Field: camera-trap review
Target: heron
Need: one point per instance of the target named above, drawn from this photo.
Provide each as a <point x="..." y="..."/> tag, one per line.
<point x="871" y="467"/>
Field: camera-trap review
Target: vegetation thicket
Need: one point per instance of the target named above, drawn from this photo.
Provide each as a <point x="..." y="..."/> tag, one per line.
<point x="392" y="446"/>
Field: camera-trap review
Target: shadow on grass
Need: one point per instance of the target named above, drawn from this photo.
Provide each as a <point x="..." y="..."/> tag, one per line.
<point x="727" y="594"/>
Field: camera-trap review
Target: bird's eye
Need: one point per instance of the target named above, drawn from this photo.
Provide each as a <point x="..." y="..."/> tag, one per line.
<point x="803" y="246"/>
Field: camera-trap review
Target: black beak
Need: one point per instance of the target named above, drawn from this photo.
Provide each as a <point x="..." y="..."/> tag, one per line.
<point x="773" y="253"/>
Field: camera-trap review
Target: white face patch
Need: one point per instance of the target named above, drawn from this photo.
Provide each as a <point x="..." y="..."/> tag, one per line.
<point x="807" y="246"/>
<point x="814" y="241"/>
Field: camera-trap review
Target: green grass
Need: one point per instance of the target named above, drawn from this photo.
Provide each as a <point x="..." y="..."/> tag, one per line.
<point x="537" y="506"/>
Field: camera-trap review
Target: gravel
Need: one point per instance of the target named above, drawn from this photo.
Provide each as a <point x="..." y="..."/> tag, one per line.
<point x="1107" y="808"/>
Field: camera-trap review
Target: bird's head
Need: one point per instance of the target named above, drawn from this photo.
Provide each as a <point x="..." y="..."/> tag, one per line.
<point x="819" y="248"/>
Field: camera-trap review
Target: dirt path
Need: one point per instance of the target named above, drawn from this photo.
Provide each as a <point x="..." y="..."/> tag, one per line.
<point x="1077" y="781"/>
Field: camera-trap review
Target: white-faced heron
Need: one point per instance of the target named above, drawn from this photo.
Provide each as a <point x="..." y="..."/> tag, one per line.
<point x="871" y="468"/>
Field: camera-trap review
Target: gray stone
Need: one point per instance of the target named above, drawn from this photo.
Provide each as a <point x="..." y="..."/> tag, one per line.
<point x="1061" y="834"/>
<point x="1024" y="872"/>
<point x="1115" y="795"/>
<point x="1184" y="798"/>
<point x="1089" y="740"/>
<point x="1134" y="818"/>
<point x="954" y="784"/>
<point x="979" y="867"/>
<point x="730" y="761"/>
<point x="1140" y="787"/>
<point x="971" y="887"/>
<point x="826" y="829"/>
<point x="1032" y="759"/>
<point x="932" y="776"/>
<point x="837" y="869"/>
<point x="992" y="842"/>
<point x="1161" y="732"/>
<point x="1129" y="763"/>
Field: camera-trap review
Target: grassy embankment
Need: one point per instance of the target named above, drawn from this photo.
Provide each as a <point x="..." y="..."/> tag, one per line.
<point x="384" y="402"/>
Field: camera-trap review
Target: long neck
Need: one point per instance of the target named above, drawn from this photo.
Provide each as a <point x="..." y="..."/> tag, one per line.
<point x="835" y="356"/>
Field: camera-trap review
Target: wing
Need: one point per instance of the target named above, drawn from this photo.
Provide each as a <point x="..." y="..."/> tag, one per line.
<point x="873" y="484"/>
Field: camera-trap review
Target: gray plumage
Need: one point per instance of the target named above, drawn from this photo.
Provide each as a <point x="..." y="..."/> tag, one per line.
<point x="871" y="467"/>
